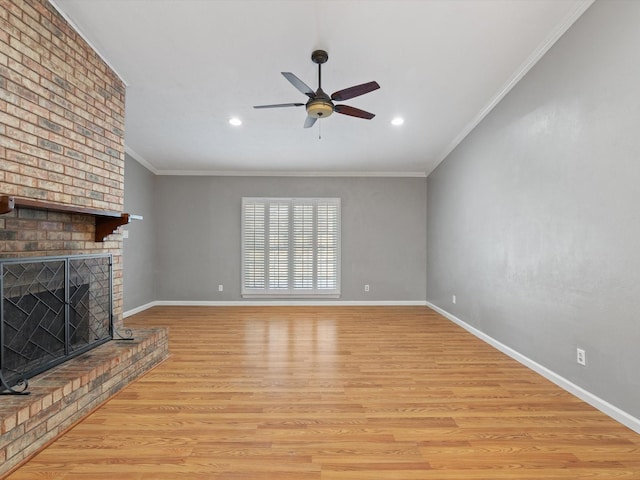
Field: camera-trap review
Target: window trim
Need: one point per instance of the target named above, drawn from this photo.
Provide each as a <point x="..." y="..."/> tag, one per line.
<point x="290" y="292"/>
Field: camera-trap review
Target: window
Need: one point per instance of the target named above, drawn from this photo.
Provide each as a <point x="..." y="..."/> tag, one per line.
<point x="291" y="246"/>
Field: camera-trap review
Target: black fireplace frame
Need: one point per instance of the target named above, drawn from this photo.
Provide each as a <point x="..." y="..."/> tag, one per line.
<point x="70" y="302"/>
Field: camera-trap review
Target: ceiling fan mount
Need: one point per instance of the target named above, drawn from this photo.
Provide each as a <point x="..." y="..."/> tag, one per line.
<point x="320" y="105"/>
<point x="319" y="57"/>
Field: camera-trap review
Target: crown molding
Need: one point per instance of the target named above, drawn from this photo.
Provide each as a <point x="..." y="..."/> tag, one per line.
<point x="537" y="54"/>
<point x="140" y="159"/>
<point x="86" y="39"/>
<point x="251" y="173"/>
<point x="264" y="173"/>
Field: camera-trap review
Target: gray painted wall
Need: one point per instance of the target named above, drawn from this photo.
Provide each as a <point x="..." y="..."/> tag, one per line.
<point x="198" y="234"/>
<point x="534" y="220"/>
<point x="139" y="249"/>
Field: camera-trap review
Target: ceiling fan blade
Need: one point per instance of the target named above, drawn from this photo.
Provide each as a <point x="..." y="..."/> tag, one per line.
<point x="353" y="112"/>
<point x="355" y="91"/>
<point x="279" y="105"/>
<point x="308" y="123"/>
<point x="299" y="84"/>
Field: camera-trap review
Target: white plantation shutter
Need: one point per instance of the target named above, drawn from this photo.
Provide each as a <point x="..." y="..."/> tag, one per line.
<point x="290" y="246"/>
<point x="253" y="239"/>
<point x="327" y="246"/>
<point x="303" y="246"/>
<point x="278" y="246"/>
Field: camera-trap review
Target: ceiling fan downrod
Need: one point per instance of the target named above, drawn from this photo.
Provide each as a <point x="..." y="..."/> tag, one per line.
<point x="319" y="57"/>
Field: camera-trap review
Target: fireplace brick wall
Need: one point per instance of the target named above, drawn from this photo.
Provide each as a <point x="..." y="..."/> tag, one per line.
<point x="62" y="142"/>
<point x="61" y="136"/>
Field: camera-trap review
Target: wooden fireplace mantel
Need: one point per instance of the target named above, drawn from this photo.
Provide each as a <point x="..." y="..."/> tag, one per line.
<point x="106" y="221"/>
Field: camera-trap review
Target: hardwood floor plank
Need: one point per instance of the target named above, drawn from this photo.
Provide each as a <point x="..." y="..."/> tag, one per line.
<point x="335" y="393"/>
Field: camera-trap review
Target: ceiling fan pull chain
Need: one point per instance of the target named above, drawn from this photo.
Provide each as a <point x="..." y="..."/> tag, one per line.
<point x="319" y="129"/>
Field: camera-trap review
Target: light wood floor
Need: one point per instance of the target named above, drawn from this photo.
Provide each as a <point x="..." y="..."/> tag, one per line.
<point x="335" y="393"/>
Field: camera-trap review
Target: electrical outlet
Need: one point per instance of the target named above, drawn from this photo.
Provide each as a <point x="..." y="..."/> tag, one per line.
<point x="366" y="287"/>
<point x="453" y="299"/>
<point x="220" y="288"/>
<point x="581" y="357"/>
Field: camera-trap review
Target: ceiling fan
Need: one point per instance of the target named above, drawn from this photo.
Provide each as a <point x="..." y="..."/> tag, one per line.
<point x="320" y="105"/>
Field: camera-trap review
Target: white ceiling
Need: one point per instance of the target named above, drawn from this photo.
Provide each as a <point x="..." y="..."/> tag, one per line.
<point x="191" y="65"/>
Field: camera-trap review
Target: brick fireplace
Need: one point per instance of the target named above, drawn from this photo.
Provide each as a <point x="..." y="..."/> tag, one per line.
<point x="61" y="136"/>
<point x="62" y="144"/>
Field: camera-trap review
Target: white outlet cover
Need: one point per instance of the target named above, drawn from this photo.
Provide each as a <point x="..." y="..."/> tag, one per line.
<point x="581" y="356"/>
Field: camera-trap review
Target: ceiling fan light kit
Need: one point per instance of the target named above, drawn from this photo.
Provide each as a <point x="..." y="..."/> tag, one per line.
<point x="319" y="108"/>
<point x="320" y="105"/>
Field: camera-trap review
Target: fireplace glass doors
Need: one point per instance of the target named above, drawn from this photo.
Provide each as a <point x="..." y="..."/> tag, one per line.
<point x="53" y="309"/>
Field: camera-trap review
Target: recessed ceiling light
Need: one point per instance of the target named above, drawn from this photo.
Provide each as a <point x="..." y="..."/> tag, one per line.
<point x="235" y="121"/>
<point x="397" y="121"/>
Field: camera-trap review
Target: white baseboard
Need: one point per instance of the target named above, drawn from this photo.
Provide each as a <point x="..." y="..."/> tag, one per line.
<point x="605" y="407"/>
<point x="289" y="302"/>
<point x="274" y="303"/>
<point x="139" y="309"/>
